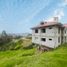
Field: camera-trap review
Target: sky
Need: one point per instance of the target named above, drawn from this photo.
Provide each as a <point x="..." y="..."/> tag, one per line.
<point x="18" y="16"/>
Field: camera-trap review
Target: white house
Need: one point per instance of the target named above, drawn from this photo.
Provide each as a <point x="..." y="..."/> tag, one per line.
<point x="50" y="33"/>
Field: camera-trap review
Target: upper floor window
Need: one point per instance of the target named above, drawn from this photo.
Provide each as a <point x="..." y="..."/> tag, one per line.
<point x="43" y="39"/>
<point x="58" y="30"/>
<point x="36" y="31"/>
<point x="43" y="30"/>
<point x="65" y="31"/>
<point x="58" y="39"/>
<point x="50" y="27"/>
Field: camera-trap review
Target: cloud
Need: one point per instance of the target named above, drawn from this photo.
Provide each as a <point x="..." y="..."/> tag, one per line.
<point x="65" y="3"/>
<point x="50" y="19"/>
<point x="59" y="13"/>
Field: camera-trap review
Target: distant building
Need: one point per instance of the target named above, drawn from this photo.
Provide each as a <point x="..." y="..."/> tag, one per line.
<point x="50" y="33"/>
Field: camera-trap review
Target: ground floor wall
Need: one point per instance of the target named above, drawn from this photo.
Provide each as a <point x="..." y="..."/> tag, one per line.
<point x="64" y="39"/>
<point x="51" y="41"/>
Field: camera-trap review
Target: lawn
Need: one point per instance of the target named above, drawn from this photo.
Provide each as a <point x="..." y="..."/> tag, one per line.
<point x="34" y="58"/>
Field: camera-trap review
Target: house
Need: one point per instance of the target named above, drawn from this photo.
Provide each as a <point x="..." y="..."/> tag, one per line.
<point x="50" y="34"/>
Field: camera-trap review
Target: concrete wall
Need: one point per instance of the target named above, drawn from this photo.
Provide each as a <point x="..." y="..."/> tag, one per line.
<point x="49" y="34"/>
<point x="65" y="35"/>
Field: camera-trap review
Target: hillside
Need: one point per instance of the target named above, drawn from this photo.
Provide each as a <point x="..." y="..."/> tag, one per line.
<point x="33" y="58"/>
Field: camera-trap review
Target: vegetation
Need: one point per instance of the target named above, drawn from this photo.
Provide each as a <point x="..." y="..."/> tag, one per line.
<point x="10" y="42"/>
<point x="27" y="56"/>
<point x="18" y="52"/>
<point x="4" y="38"/>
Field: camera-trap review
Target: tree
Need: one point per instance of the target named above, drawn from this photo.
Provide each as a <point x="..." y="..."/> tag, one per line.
<point x="5" y="38"/>
<point x="4" y="34"/>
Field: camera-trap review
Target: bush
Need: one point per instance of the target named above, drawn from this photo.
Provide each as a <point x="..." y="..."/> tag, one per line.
<point x="12" y="45"/>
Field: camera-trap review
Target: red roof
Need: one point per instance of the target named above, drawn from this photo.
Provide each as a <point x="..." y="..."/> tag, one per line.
<point x="46" y="24"/>
<point x="65" y="25"/>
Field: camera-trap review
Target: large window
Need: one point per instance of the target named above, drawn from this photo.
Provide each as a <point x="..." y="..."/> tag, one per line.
<point x="36" y="38"/>
<point x="58" y="39"/>
<point x="43" y="39"/>
<point x="58" y="30"/>
<point x="65" y="38"/>
<point x="43" y="30"/>
<point x="65" y="31"/>
<point x="36" y="31"/>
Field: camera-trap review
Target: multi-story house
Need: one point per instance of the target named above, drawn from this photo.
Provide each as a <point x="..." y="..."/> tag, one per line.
<point x="50" y="33"/>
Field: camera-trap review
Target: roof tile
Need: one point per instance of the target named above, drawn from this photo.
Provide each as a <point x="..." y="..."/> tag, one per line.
<point x="46" y="24"/>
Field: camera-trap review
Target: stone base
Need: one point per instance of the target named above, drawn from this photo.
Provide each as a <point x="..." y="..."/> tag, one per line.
<point x="43" y="48"/>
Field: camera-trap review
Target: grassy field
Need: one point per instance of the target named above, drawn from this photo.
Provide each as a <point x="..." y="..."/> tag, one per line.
<point x="34" y="58"/>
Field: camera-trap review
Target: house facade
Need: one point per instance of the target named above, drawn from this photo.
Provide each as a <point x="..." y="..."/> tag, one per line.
<point x="50" y="34"/>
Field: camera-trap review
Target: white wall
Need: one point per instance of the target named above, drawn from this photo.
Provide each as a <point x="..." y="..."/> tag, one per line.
<point x="50" y="34"/>
<point x="65" y="35"/>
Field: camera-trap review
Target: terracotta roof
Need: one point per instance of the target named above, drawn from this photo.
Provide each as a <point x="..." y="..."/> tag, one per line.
<point x="46" y="24"/>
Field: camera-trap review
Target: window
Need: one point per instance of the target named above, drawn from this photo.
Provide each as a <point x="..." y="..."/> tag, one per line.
<point x="65" y="31"/>
<point x="42" y="23"/>
<point x="65" y="38"/>
<point x="50" y="39"/>
<point x="58" y="39"/>
<point x="36" y="38"/>
<point x="36" y="31"/>
<point x="50" y="27"/>
<point x="43" y="30"/>
<point x="43" y="39"/>
<point x="58" y="30"/>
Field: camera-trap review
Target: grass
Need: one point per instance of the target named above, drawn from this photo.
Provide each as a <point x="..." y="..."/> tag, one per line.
<point x="34" y="58"/>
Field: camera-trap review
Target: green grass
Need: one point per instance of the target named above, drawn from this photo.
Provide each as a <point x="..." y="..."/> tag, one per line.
<point x="34" y="58"/>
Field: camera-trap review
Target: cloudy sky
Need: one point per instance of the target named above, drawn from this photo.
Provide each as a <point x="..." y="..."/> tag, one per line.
<point x="18" y="16"/>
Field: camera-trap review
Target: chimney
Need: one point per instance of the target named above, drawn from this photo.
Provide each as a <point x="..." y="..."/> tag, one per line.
<point x="56" y="19"/>
<point x="42" y="23"/>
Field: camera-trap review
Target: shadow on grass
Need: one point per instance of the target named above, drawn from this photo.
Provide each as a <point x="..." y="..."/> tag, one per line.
<point x="31" y="46"/>
<point x="29" y="54"/>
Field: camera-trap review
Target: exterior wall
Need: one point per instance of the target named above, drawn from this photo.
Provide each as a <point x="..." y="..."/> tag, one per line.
<point x="49" y="34"/>
<point x="65" y="35"/>
<point x="36" y="39"/>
